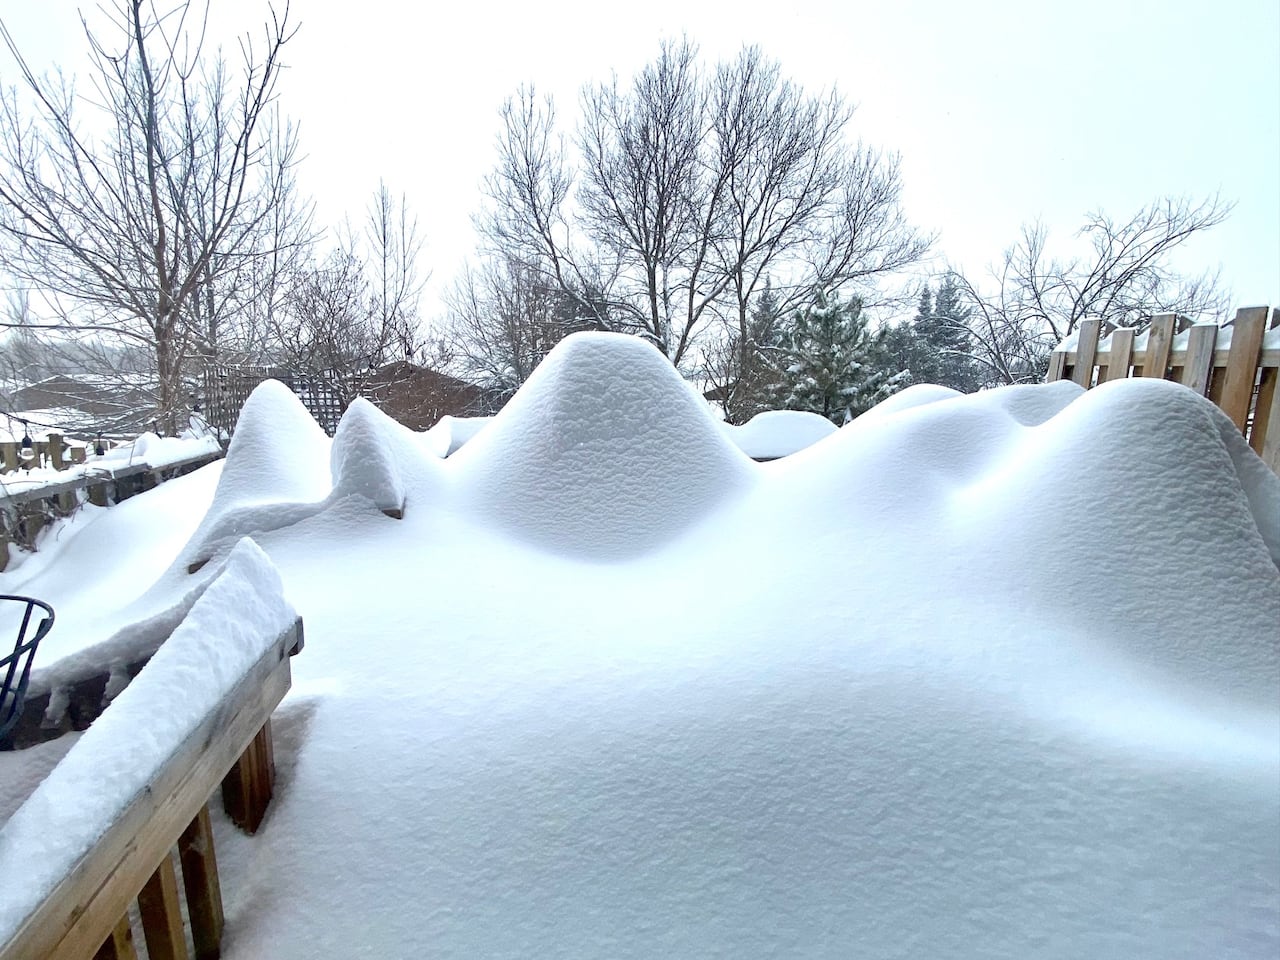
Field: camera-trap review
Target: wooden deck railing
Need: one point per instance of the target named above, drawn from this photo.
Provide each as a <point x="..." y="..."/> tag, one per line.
<point x="25" y="507"/>
<point x="1236" y="365"/>
<point x="87" y="915"/>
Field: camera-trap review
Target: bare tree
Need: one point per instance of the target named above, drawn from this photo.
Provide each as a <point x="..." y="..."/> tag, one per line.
<point x="394" y="242"/>
<point x="649" y="199"/>
<point x="801" y="204"/>
<point x="24" y="358"/>
<point x="688" y="191"/>
<point x="504" y="318"/>
<point x="358" y="309"/>
<point x="122" y="228"/>
<point x="1035" y="300"/>
<point x="525" y="220"/>
<point x="240" y="296"/>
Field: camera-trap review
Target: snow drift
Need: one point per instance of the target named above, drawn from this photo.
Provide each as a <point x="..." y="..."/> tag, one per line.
<point x="450" y="433"/>
<point x="281" y="470"/>
<point x="275" y="469"/>
<point x="990" y="675"/>
<point x="604" y="453"/>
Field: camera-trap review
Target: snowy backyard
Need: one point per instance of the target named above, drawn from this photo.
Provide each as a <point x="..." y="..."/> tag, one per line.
<point x="992" y="675"/>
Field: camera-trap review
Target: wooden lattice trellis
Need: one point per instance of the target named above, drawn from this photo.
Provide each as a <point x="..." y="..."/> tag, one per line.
<point x="226" y="388"/>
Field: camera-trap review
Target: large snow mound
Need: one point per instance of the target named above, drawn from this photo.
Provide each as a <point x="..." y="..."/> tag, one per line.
<point x="1136" y="511"/>
<point x="275" y="472"/>
<point x="363" y="460"/>
<point x="273" y="452"/>
<point x="604" y="453"/>
<point x="285" y="471"/>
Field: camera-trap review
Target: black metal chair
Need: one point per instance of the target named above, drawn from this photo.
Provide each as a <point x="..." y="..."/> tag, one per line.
<point x="15" y="669"/>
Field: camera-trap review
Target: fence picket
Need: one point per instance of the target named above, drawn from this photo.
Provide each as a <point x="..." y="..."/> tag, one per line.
<point x="1120" y="357"/>
<point x="1198" y="366"/>
<point x="1155" y="362"/>
<point x="1086" y="352"/>
<point x="1242" y="363"/>
<point x="1265" y="436"/>
<point x="1057" y="366"/>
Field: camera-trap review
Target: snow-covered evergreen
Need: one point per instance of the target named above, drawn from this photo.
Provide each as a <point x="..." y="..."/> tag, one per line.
<point x="835" y="364"/>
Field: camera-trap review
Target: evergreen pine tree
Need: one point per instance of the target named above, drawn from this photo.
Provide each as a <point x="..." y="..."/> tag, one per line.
<point x="925" y="309"/>
<point x="836" y="366"/>
<point x="750" y="361"/>
<point x="947" y="334"/>
<point x="935" y="344"/>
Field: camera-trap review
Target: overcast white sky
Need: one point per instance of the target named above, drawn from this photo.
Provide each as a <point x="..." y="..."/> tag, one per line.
<point x="1003" y="110"/>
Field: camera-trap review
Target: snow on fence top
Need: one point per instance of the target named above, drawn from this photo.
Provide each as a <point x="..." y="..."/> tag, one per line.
<point x="69" y="463"/>
<point x="32" y="494"/>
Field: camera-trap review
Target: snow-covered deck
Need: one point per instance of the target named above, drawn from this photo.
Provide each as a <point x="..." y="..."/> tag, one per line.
<point x="974" y="675"/>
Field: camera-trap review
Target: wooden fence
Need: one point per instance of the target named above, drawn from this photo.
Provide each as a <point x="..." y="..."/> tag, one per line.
<point x="1235" y="365"/>
<point x="88" y="913"/>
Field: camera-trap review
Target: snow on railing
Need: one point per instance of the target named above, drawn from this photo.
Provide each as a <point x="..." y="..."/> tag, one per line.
<point x="100" y="832"/>
<point x="1236" y="365"/>
<point x="54" y="477"/>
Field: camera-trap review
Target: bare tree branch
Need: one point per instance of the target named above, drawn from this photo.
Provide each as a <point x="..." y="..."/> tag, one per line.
<point x="1034" y="300"/>
<point x="132" y="229"/>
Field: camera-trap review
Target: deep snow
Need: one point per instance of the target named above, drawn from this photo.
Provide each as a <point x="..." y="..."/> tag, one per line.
<point x="974" y="676"/>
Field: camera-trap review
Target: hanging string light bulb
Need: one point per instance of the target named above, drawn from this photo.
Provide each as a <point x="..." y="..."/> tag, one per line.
<point x="27" y="455"/>
<point x="98" y="448"/>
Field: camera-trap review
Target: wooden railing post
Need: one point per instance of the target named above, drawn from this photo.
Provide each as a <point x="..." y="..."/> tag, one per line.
<point x="162" y="914"/>
<point x="86" y="912"/>
<point x="118" y="946"/>
<point x="200" y="881"/>
<point x="98" y="493"/>
<point x="248" y="786"/>
<point x="54" y="449"/>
